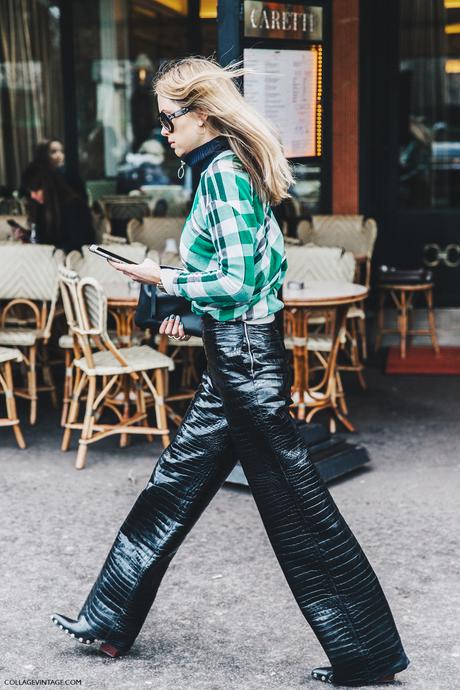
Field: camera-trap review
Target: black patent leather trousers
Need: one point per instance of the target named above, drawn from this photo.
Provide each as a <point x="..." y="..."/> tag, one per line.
<point x="241" y="410"/>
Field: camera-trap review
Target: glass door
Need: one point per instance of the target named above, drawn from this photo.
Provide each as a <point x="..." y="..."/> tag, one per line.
<point x="410" y="136"/>
<point x="31" y="103"/>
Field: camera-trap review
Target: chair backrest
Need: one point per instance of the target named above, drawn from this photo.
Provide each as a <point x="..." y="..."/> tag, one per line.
<point x="29" y="271"/>
<point x="351" y="232"/>
<point x="88" y="264"/>
<point x="124" y="207"/>
<point x="153" y="232"/>
<point x="173" y="198"/>
<point x="311" y="263"/>
<point x="102" y="226"/>
<point x="93" y="307"/>
<point x="85" y="306"/>
<point x="29" y="274"/>
<point x="108" y="238"/>
<point x="6" y="231"/>
<point x="68" y="281"/>
<point x="98" y="188"/>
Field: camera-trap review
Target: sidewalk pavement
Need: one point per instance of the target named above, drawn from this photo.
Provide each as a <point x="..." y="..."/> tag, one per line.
<point x="225" y="618"/>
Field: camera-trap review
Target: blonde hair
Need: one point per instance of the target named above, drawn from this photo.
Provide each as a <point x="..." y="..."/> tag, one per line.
<point x="202" y="84"/>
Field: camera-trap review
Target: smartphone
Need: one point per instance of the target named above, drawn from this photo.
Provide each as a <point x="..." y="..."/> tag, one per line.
<point x="14" y="224"/>
<point x="96" y="249"/>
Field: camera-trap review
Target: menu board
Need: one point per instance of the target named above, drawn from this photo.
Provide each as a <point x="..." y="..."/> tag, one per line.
<point x="283" y="86"/>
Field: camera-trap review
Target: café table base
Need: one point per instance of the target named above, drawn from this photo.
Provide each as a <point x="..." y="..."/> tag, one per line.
<point x="309" y="406"/>
<point x="123" y="316"/>
<point x="334" y="298"/>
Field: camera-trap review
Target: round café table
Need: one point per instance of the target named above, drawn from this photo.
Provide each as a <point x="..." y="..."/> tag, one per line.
<point x="334" y="297"/>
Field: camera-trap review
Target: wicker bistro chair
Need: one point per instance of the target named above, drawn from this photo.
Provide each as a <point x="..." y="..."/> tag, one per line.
<point x="100" y="188"/>
<point x="86" y="263"/>
<point x="85" y="305"/>
<point x="7" y="356"/>
<point x="355" y="234"/>
<point x="102" y="229"/>
<point x="29" y="286"/>
<point x="119" y="210"/>
<point x="153" y="232"/>
<point x="309" y="263"/>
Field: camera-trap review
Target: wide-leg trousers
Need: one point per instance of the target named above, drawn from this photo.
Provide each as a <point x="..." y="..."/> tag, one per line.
<point x="241" y="411"/>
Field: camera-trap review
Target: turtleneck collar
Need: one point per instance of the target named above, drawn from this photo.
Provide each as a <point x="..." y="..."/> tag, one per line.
<point x="204" y="154"/>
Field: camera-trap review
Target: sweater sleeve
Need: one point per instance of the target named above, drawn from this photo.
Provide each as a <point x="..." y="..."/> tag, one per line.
<point x="231" y="223"/>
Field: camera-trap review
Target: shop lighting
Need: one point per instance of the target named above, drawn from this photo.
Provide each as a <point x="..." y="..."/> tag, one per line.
<point x="179" y="6"/>
<point x="452" y="28"/>
<point x="452" y="4"/>
<point x="319" y="95"/>
<point x="208" y="9"/>
<point x="452" y="67"/>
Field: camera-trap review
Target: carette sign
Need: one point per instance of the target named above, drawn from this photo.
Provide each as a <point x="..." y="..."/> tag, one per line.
<point x="276" y="20"/>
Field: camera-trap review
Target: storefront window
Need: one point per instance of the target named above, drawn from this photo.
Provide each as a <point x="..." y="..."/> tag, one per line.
<point x="429" y="158"/>
<point x="120" y="44"/>
<point x="31" y="107"/>
<point x="307" y="188"/>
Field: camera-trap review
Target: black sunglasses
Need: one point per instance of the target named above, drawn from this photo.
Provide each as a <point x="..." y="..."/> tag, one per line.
<point x="166" y="120"/>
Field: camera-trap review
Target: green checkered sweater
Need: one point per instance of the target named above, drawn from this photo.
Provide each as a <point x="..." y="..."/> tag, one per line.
<point x="231" y="247"/>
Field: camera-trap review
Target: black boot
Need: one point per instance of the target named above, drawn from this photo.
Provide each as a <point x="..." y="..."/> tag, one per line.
<point x="81" y="631"/>
<point x="324" y="673"/>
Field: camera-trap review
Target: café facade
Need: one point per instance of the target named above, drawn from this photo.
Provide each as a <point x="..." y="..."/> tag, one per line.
<point x="365" y="95"/>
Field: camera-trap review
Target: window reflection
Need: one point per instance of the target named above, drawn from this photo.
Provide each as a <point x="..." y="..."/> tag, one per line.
<point x="31" y="107"/>
<point x="429" y="157"/>
<point x="120" y="45"/>
<point x="307" y="188"/>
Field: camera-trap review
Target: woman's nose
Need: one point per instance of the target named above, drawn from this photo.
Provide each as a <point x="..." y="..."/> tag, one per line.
<point x="164" y="132"/>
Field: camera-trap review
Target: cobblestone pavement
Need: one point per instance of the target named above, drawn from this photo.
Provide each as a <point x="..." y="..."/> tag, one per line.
<point x="224" y="618"/>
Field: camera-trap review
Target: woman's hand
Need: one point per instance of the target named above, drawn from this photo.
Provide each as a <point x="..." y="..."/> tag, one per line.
<point x="146" y="272"/>
<point x="173" y="328"/>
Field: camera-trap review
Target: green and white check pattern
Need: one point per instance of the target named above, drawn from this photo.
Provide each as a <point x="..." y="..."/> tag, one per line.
<point x="231" y="246"/>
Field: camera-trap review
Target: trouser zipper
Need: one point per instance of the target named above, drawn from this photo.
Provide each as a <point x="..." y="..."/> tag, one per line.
<point x="249" y="347"/>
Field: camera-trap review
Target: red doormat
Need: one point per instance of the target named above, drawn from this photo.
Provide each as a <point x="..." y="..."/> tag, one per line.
<point x="423" y="360"/>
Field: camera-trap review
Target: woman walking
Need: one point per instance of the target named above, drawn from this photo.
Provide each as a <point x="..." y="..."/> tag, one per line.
<point x="234" y="265"/>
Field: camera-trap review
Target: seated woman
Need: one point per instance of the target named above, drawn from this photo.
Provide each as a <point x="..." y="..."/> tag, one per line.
<point x="61" y="216"/>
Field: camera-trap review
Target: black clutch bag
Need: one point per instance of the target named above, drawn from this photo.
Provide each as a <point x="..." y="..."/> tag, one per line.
<point x="155" y="305"/>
